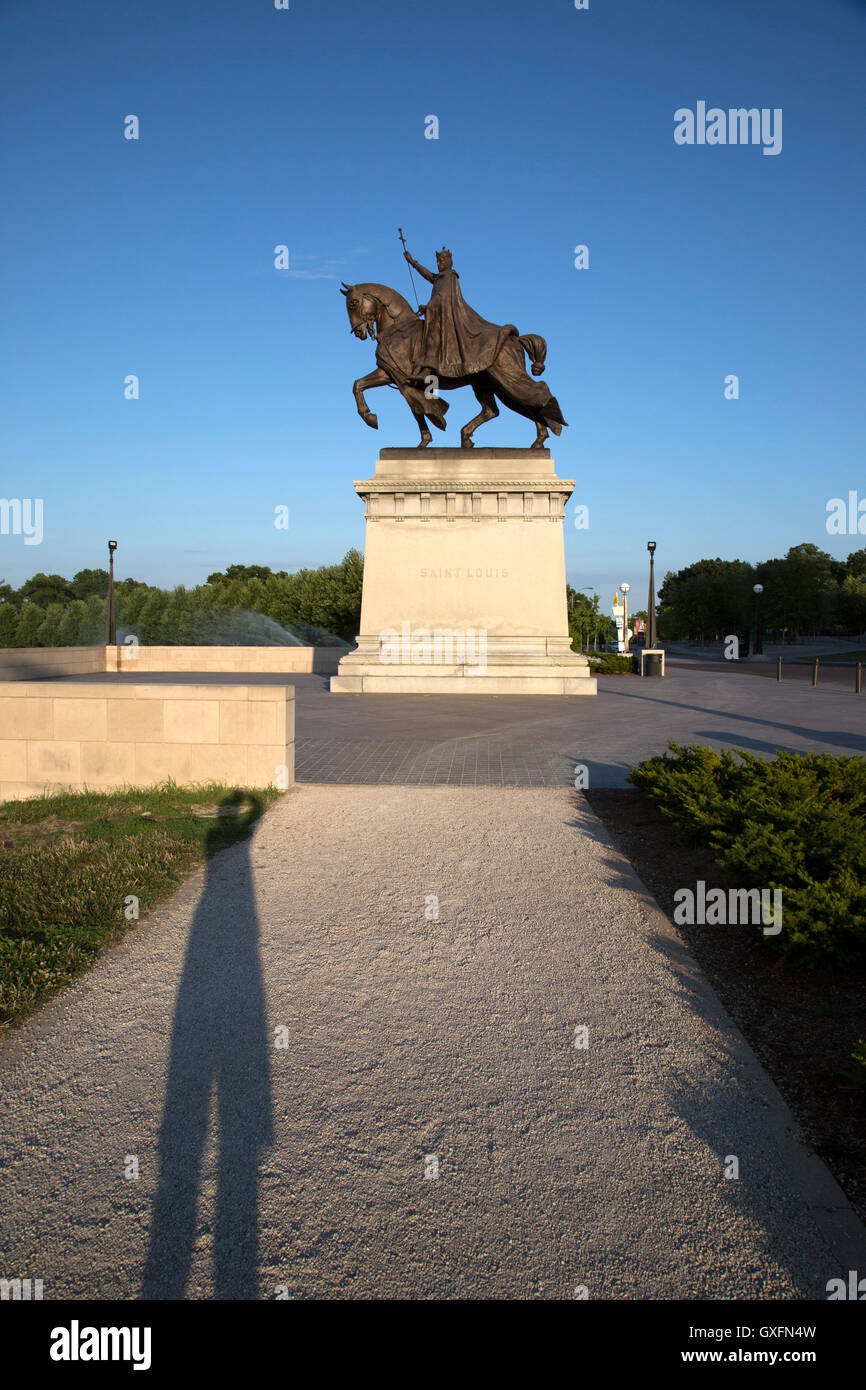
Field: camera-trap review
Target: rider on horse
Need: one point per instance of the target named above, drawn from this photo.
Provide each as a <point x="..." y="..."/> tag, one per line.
<point x="456" y="341"/>
<point x="443" y="346"/>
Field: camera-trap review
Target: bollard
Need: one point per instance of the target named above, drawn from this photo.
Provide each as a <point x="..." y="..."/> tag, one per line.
<point x="858" y="679"/>
<point x="815" y="671"/>
<point x="778" y="668"/>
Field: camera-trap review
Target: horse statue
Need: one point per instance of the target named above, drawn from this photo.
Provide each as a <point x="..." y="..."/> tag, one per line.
<point x="419" y="362"/>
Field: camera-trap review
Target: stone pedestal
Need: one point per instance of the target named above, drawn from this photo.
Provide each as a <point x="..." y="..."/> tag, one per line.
<point x="464" y="577"/>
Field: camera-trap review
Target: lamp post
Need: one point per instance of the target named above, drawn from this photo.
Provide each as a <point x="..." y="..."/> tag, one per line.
<point x="758" y="647"/>
<point x="651" y="601"/>
<point x="111" y="635"/>
<point x="624" y="590"/>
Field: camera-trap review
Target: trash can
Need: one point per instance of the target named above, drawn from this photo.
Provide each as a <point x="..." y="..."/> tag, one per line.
<point x="652" y="663"/>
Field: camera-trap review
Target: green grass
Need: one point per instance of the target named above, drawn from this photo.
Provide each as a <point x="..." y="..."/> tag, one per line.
<point x="68" y="863"/>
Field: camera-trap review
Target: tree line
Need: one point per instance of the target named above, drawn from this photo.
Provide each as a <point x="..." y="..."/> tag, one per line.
<point x="245" y="605"/>
<point x="806" y="592"/>
<point x="587" y="625"/>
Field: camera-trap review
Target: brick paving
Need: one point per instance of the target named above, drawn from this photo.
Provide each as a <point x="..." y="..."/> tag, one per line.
<point x="479" y="762"/>
<point x="536" y="740"/>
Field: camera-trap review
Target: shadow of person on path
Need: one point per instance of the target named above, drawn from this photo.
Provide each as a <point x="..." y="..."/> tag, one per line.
<point x="219" y="1043"/>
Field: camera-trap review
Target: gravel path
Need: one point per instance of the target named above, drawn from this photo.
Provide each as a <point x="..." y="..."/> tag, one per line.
<point x="299" y="1170"/>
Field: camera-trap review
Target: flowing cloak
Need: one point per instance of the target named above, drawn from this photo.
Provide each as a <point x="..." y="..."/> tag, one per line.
<point x="457" y="341"/>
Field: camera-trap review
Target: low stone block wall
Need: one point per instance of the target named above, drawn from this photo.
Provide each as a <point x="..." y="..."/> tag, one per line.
<point x="45" y="663"/>
<point x="237" y="660"/>
<point x="38" y="663"/>
<point x="97" y="735"/>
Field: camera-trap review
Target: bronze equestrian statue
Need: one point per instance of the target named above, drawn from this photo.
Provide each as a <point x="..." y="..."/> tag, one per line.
<point x="452" y="347"/>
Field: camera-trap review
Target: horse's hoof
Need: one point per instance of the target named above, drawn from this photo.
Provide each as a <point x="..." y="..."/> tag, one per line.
<point x="466" y="443"/>
<point x="424" y="441"/>
<point x="370" y="419"/>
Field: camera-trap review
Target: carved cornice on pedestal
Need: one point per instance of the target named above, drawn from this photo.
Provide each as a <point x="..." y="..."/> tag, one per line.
<point x="468" y="499"/>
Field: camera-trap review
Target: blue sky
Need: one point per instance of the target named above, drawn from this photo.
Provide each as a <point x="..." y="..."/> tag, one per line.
<point x="305" y="127"/>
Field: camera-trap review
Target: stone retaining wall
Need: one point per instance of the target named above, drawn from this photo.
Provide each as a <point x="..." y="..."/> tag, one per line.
<point x="36" y="663"/>
<point x="55" y="734"/>
<point x="279" y="660"/>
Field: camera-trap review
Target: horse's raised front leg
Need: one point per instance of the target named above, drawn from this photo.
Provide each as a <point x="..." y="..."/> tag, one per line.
<point x="489" y="410"/>
<point x="378" y="377"/>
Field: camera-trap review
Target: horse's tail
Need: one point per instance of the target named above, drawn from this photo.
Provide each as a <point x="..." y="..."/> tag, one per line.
<point x="536" y="350"/>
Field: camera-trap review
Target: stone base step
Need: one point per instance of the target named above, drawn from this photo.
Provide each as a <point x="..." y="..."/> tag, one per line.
<point x="554" y="681"/>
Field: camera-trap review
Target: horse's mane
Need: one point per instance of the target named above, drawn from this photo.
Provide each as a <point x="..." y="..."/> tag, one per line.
<point x="390" y="298"/>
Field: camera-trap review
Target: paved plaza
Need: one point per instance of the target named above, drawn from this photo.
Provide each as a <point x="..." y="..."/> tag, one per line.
<point x="536" y="741"/>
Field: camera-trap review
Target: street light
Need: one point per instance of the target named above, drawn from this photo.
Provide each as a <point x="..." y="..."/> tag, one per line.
<point x="758" y="648"/>
<point x="111" y="635"/>
<point x="651" y="602"/>
<point x="624" y="589"/>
